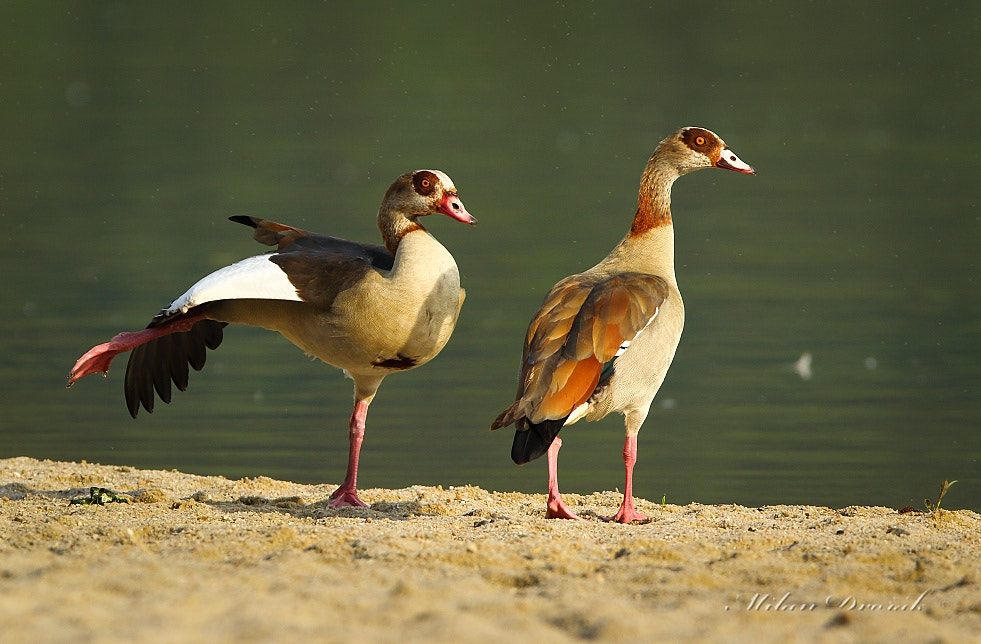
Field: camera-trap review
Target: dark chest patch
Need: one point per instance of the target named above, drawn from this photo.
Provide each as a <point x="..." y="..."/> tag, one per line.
<point x="399" y="363"/>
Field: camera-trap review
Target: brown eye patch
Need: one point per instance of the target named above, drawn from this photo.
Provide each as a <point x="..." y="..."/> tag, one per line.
<point x="699" y="140"/>
<point x="424" y="182"/>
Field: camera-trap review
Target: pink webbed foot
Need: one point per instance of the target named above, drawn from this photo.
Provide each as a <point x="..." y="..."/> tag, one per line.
<point x="95" y="360"/>
<point x="556" y="509"/>
<point x="346" y="498"/>
<point x="627" y="514"/>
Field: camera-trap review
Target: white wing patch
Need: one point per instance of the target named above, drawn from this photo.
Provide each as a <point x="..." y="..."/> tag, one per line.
<point x="577" y="414"/>
<point x="255" y="278"/>
<point x="626" y="343"/>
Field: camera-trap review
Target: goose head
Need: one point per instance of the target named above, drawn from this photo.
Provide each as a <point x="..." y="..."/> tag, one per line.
<point x="693" y="148"/>
<point x="425" y="192"/>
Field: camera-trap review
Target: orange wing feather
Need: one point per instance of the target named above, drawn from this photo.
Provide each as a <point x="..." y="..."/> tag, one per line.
<point x="581" y="325"/>
<point x="578" y="382"/>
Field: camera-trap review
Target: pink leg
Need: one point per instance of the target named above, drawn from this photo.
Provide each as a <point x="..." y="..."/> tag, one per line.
<point x="556" y="508"/>
<point x="97" y="359"/>
<point x="627" y="513"/>
<point x="347" y="494"/>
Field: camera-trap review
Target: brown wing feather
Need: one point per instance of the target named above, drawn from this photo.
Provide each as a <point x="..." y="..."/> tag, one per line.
<point x="319" y="276"/>
<point x="581" y="325"/>
<point x="319" y="266"/>
<point x="288" y="239"/>
<point x="551" y="324"/>
<point x="271" y="233"/>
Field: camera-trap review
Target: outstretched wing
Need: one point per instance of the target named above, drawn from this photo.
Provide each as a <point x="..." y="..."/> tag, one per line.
<point x="306" y="267"/>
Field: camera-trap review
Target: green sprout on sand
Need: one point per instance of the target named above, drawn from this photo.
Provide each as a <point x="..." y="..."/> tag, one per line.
<point x="934" y="508"/>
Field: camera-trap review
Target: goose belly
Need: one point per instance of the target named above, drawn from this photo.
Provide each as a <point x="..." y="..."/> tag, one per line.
<point x="382" y="328"/>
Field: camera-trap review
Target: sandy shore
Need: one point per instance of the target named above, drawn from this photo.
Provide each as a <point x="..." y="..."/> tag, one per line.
<point x="195" y="558"/>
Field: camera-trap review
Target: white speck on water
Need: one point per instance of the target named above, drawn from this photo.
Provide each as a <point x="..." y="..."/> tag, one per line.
<point x="803" y="366"/>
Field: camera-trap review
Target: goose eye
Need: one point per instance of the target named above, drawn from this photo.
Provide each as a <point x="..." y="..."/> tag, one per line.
<point x="424" y="183"/>
<point x="699" y="140"/>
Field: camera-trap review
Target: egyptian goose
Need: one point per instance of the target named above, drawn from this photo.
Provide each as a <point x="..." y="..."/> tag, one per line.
<point x="370" y="310"/>
<point x="603" y="339"/>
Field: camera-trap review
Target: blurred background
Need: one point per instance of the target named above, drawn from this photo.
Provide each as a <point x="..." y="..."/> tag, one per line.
<point x="831" y="349"/>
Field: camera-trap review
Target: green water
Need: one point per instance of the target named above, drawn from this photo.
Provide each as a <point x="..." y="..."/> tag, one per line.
<point x="132" y="131"/>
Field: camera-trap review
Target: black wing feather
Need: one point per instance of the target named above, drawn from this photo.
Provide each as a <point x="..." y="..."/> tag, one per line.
<point x="153" y="366"/>
<point x="532" y="441"/>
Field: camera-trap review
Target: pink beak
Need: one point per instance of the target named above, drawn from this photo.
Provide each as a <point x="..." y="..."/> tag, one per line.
<point x="729" y="161"/>
<point x="452" y="207"/>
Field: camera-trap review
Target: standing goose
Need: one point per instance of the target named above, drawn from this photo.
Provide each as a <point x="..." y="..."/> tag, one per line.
<point x="370" y="310"/>
<point x="603" y="339"/>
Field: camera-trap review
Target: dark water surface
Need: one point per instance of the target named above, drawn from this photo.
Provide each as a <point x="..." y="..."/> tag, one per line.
<point x="132" y="131"/>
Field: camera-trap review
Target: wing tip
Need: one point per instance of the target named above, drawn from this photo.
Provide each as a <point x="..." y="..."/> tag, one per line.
<point x="531" y="441"/>
<point x="505" y="418"/>
<point x="247" y="220"/>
